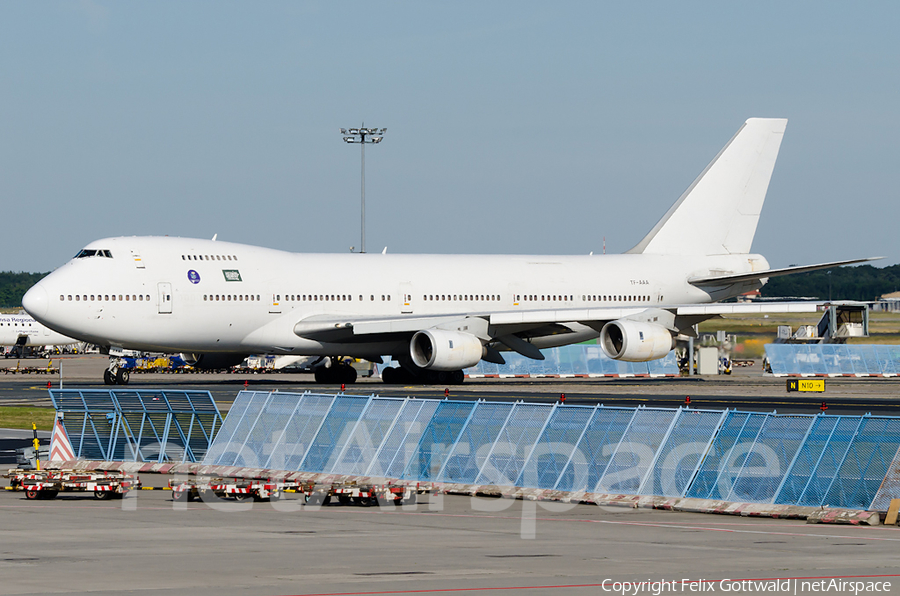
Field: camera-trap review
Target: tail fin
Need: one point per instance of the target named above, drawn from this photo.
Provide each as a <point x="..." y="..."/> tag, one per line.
<point x="718" y="213"/>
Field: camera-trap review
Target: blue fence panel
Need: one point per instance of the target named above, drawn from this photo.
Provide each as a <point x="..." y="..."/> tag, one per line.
<point x="474" y="443"/>
<point x="302" y="429"/>
<point x="242" y="429"/>
<point x="439" y="436"/>
<point x="403" y="440"/>
<point x="282" y="440"/>
<point x="818" y="462"/>
<point x="514" y="444"/>
<point x="258" y="442"/>
<point x="833" y="359"/>
<point x="635" y="452"/>
<point x="866" y="463"/>
<point x="138" y="425"/>
<point x="226" y="432"/>
<point x="726" y="454"/>
<point x="344" y="413"/>
<point x="888" y="357"/>
<point x="554" y="447"/>
<point x="363" y="445"/>
<point x="594" y="449"/>
<point x="767" y="460"/>
<point x="836" y="461"/>
<point x="680" y="456"/>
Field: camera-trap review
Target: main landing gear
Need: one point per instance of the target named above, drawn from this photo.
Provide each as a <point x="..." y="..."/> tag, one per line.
<point x="115" y="374"/>
<point x="338" y="372"/>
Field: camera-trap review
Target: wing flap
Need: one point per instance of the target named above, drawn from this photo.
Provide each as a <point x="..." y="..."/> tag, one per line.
<point x="746" y="308"/>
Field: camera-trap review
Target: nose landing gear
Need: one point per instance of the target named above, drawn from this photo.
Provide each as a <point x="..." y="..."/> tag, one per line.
<point x="115" y="374"/>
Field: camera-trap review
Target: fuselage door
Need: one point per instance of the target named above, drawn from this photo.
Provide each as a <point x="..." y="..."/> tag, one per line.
<point x="165" y="297"/>
<point x="406" y="298"/>
<point x="275" y="304"/>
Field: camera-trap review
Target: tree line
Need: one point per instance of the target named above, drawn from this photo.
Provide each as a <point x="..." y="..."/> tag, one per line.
<point x="863" y="282"/>
<point x="14" y="285"/>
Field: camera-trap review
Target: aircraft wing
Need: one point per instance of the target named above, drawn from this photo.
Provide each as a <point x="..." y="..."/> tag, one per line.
<point x="727" y="279"/>
<point x="489" y="326"/>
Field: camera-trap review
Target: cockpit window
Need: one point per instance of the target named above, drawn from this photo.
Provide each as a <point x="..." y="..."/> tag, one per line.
<point x="92" y="252"/>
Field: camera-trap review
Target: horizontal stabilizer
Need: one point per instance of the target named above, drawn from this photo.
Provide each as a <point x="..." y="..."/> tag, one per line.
<point x="722" y="280"/>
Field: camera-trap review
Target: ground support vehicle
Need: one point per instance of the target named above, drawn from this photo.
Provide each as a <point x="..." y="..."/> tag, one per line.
<point x="237" y="489"/>
<point x="47" y="484"/>
<point x="362" y="494"/>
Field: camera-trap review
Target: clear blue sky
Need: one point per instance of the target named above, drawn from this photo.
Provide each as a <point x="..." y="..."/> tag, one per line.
<point x="513" y="127"/>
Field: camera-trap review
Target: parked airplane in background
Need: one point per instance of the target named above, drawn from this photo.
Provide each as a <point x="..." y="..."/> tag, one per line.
<point x="21" y="331"/>
<point x="217" y="302"/>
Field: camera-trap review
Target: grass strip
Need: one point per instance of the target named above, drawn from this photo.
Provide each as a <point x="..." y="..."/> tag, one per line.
<point x="23" y="416"/>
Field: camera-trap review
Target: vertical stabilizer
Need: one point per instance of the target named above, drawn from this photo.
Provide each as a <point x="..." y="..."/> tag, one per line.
<point x="718" y="213"/>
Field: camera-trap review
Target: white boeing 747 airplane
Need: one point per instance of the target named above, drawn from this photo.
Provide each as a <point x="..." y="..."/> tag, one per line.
<point x="217" y="302"/>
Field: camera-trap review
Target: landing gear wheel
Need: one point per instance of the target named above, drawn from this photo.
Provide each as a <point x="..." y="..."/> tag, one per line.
<point x="109" y="378"/>
<point x="347" y="374"/>
<point x="122" y="377"/>
<point x="457" y="377"/>
<point x="323" y="375"/>
<point x="390" y="375"/>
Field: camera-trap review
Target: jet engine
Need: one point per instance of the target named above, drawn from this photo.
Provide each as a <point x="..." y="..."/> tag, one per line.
<point x="634" y="341"/>
<point x="437" y="349"/>
<point x="213" y="361"/>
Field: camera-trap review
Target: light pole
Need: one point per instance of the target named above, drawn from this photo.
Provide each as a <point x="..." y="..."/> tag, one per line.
<point x="363" y="136"/>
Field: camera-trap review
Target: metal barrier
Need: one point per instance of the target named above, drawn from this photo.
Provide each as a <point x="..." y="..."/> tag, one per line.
<point x="571" y="361"/>
<point x="818" y="460"/>
<point x="834" y="360"/>
<point x="138" y="425"/>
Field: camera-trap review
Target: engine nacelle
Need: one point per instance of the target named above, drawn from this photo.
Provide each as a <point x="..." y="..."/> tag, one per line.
<point x="438" y="349"/>
<point x="633" y="341"/>
<point x="213" y="361"/>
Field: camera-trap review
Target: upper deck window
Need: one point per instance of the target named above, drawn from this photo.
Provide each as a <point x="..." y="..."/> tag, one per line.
<point x="93" y="252"/>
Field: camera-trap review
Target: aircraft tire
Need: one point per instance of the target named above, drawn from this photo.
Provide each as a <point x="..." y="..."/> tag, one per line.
<point x="389" y="375"/>
<point x="108" y="378"/>
<point x="457" y="377"/>
<point x="347" y="374"/>
<point x="324" y="375"/>
<point x="122" y="377"/>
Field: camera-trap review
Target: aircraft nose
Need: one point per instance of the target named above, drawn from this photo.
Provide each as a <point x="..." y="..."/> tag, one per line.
<point x="36" y="301"/>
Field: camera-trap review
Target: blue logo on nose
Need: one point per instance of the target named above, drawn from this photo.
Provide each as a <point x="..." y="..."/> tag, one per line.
<point x="193" y="276"/>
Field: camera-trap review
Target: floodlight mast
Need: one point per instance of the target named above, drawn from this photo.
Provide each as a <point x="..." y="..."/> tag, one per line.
<point x="363" y="136"/>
